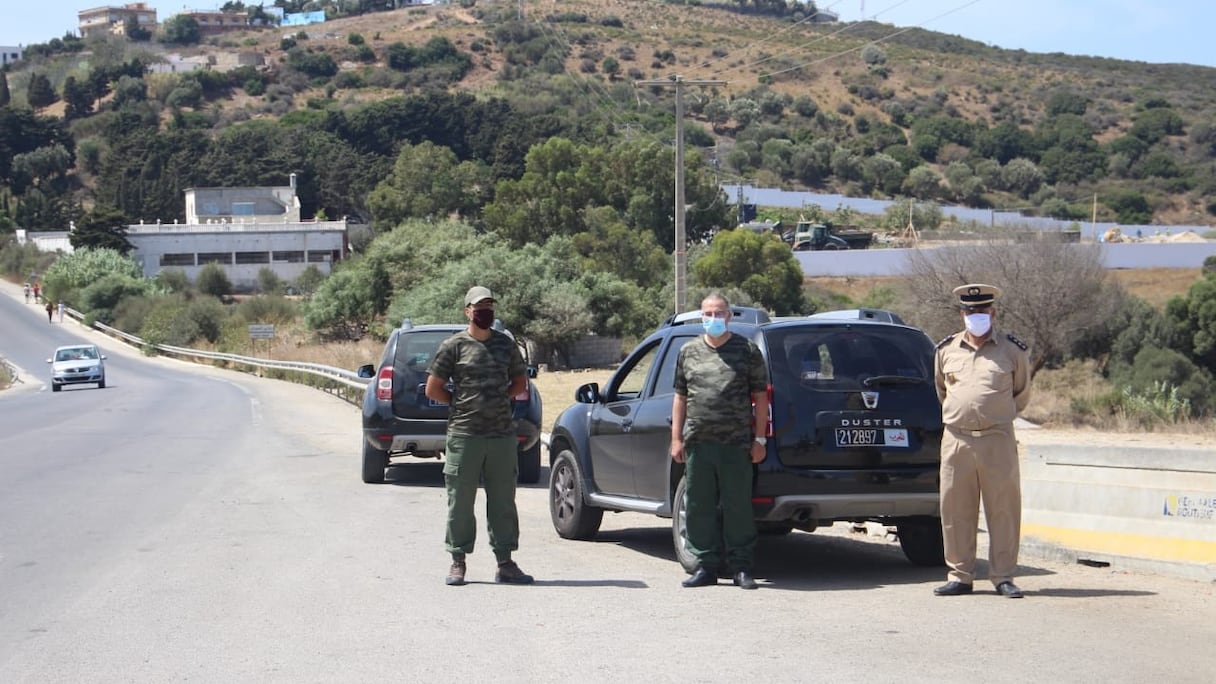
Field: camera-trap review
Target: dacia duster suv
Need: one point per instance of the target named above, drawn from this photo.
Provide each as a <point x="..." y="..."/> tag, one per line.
<point x="399" y="419"/>
<point x="854" y="432"/>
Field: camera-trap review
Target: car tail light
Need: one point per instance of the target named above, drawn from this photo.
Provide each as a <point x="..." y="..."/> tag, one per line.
<point x="525" y="395"/>
<point x="384" y="384"/>
<point x="768" y="420"/>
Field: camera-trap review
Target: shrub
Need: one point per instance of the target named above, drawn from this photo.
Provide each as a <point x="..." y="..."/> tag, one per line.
<point x="213" y="281"/>
<point x="274" y="309"/>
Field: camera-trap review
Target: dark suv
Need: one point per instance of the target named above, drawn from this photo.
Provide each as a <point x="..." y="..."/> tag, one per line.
<point x="854" y="432"/>
<point x="399" y="419"/>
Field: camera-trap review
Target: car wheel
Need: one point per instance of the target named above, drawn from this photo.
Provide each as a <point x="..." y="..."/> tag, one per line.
<point x="921" y="541"/>
<point x="529" y="464"/>
<point x="101" y="384"/>
<point x="679" y="531"/>
<point x="55" y="388"/>
<point x="374" y="463"/>
<point x="572" y="517"/>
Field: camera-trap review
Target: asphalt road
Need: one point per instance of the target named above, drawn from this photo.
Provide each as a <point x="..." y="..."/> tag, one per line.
<point x="193" y="524"/>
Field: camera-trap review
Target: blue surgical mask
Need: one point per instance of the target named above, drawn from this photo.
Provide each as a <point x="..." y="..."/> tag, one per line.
<point x="714" y="327"/>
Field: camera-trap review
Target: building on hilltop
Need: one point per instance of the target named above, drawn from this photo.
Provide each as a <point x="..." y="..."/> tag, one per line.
<point x="215" y="22"/>
<point x="244" y="230"/>
<point x="10" y="54"/>
<point x="100" y="21"/>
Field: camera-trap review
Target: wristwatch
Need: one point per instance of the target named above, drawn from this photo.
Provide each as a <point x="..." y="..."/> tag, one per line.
<point x="762" y="441"/>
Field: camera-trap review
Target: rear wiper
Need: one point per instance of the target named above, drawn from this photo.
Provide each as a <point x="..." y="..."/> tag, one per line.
<point x="876" y="380"/>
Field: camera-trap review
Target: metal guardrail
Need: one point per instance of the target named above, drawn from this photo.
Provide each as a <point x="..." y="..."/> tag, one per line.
<point x="337" y="381"/>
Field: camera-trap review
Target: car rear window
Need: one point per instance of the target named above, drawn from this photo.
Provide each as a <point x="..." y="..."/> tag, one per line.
<point x="841" y="357"/>
<point x="415" y="350"/>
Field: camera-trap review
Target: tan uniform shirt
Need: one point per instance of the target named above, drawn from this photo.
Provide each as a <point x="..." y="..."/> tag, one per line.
<point x="981" y="388"/>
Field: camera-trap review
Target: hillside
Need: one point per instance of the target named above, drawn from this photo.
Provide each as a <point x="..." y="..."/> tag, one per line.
<point x="863" y="109"/>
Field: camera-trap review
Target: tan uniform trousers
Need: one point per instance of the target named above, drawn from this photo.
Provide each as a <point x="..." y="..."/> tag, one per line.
<point x="975" y="465"/>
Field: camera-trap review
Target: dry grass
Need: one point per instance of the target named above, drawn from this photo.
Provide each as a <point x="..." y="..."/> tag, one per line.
<point x="1157" y="285"/>
<point x="557" y="390"/>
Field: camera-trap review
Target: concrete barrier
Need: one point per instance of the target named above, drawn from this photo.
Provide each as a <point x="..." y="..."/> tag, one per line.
<point x="1135" y="507"/>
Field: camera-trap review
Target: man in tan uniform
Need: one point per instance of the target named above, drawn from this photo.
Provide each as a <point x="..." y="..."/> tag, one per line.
<point x="983" y="381"/>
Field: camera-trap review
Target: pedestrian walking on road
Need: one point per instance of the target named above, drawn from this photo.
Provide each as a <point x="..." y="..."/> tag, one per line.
<point x="484" y="369"/>
<point x="50" y="311"/>
<point x="983" y="382"/>
<point x="27" y="293"/>
<point x="717" y="434"/>
<point x="37" y="293"/>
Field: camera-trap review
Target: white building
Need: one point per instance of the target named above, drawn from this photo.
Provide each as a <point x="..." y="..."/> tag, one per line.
<point x="46" y="241"/>
<point x="10" y="54"/>
<point x="242" y="229"/>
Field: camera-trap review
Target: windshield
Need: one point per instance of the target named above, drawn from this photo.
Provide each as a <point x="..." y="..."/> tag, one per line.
<point x="849" y="358"/>
<point x="75" y="354"/>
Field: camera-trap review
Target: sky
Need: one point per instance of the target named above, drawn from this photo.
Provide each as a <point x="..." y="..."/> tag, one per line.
<point x="1159" y="31"/>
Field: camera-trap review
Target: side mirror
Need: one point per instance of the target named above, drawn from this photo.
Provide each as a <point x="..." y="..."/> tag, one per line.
<point x="367" y="371"/>
<point x="531" y="371"/>
<point x="49" y="361"/>
<point x="103" y="357"/>
<point x="588" y="394"/>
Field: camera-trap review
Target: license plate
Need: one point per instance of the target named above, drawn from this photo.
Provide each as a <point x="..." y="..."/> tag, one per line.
<point x="864" y="437"/>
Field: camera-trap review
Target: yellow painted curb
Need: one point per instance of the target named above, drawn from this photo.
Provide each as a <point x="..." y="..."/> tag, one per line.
<point x="1124" y="544"/>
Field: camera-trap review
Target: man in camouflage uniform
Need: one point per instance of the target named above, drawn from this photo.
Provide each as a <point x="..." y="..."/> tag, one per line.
<point x="718" y="437"/>
<point x="486" y="370"/>
<point x="983" y="381"/>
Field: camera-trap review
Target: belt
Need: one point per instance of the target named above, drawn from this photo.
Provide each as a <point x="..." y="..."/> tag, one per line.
<point x="976" y="433"/>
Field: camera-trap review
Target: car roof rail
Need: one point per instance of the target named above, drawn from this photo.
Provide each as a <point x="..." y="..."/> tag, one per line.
<point x="406" y="324"/>
<point x="739" y="314"/>
<point x="879" y="315"/>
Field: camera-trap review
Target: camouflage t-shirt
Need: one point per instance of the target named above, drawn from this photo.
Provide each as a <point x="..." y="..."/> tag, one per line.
<point x="481" y="373"/>
<point x="719" y="384"/>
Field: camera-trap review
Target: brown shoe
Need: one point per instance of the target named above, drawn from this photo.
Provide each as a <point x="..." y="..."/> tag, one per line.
<point x="456" y="574"/>
<point x="509" y="573"/>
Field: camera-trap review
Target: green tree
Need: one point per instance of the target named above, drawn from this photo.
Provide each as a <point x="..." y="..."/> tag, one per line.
<point x="102" y="228"/>
<point x="309" y="280"/>
<point x="40" y="93"/>
<point x="1193" y="322"/>
<point x="77" y="99"/>
<point x="180" y="29"/>
<point x="923" y="183"/>
<point x="135" y="31"/>
<point x="269" y="282"/>
<point x="212" y="280"/>
<point x="85" y="266"/>
<point x="760" y="265"/>
<point x="428" y="181"/>
<point x="5" y="95"/>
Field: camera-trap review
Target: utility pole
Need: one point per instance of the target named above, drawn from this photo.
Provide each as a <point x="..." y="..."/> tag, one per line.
<point x="681" y="246"/>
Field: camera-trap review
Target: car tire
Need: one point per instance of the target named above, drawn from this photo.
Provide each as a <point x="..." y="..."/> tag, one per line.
<point x="101" y="384"/>
<point x="921" y="541"/>
<point x="529" y="464"/>
<point x="572" y="517"/>
<point x="374" y="463"/>
<point x="55" y="388"/>
<point x="679" y="531"/>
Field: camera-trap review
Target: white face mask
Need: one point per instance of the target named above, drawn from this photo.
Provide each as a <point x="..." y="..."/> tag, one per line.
<point x="978" y="324"/>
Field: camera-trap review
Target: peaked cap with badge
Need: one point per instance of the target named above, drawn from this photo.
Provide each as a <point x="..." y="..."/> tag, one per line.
<point x="977" y="295"/>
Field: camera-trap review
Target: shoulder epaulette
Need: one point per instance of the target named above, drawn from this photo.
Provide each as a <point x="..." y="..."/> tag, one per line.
<point x="1020" y="344"/>
<point x="945" y="341"/>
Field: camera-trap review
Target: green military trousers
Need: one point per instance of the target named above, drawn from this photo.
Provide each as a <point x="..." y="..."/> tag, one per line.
<point x="469" y="461"/>
<point x="719" y="475"/>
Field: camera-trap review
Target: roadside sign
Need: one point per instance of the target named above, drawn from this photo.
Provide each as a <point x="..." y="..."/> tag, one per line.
<point x="261" y="331"/>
